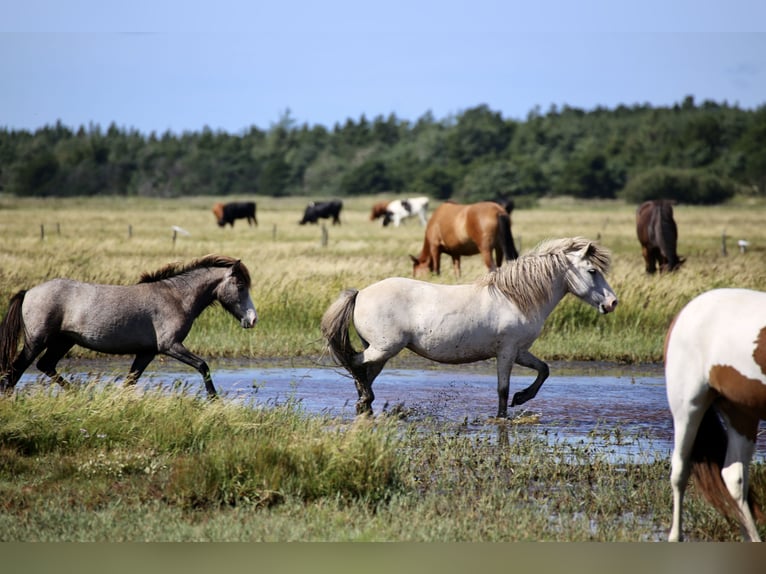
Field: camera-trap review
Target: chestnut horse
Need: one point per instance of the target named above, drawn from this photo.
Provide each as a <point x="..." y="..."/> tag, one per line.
<point x="658" y="235"/>
<point x="459" y="230"/>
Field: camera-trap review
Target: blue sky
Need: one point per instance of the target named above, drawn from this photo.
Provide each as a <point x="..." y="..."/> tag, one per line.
<point x="228" y="65"/>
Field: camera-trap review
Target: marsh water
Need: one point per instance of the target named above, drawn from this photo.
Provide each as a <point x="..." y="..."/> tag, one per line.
<point x="622" y="409"/>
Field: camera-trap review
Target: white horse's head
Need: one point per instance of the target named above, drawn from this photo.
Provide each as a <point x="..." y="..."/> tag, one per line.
<point x="585" y="277"/>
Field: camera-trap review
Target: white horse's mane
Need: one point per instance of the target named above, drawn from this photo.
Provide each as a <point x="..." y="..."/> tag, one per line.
<point x="528" y="280"/>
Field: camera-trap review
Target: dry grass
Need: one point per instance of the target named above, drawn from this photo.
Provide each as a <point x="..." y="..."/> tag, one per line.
<point x="296" y="277"/>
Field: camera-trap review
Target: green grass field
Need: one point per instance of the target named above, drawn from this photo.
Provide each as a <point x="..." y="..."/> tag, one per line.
<point x="112" y="464"/>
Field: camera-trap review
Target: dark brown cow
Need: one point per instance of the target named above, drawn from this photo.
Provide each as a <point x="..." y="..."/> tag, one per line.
<point x="228" y="212"/>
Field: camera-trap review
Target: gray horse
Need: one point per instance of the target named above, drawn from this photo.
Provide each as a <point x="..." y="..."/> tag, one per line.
<point x="150" y="318"/>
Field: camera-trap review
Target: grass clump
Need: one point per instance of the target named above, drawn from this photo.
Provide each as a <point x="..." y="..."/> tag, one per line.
<point x="198" y="454"/>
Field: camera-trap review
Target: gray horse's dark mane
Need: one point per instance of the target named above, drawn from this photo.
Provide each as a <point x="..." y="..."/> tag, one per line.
<point x="175" y="269"/>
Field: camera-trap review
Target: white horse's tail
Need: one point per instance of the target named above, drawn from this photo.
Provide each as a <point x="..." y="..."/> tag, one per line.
<point x="707" y="461"/>
<point x="335" y="327"/>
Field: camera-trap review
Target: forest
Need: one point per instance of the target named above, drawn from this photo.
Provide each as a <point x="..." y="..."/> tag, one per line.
<point x="695" y="153"/>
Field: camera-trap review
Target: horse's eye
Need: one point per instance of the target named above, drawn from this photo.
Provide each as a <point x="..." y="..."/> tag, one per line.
<point x="592" y="271"/>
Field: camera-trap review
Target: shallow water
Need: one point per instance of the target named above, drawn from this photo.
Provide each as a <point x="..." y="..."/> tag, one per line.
<point x="623" y="411"/>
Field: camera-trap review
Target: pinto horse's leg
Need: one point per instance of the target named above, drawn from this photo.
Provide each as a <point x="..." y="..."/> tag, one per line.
<point x="57" y="348"/>
<point x="527" y="359"/>
<point x="138" y="367"/>
<point x="739" y="452"/>
<point x="181" y="353"/>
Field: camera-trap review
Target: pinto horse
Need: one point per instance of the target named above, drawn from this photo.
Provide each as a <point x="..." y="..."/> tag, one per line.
<point x="658" y="235"/>
<point x="458" y="230"/>
<point x="398" y="210"/>
<point x="499" y="315"/>
<point x="715" y="369"/>
<point x="150" y="318"/>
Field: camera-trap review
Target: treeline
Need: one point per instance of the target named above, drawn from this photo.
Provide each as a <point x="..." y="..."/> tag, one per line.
<point x="697" y="153"/>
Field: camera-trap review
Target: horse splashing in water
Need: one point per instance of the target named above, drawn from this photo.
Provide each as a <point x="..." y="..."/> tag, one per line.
<point x="715" y="369"/>
<point x="150" y="318"/>
<point x="658" y="234"/>
<point x="499" y="316"/>
<point x="459" y="230"/>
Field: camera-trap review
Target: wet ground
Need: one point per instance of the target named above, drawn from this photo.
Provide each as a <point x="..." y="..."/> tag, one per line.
<point x="622" y="408"/>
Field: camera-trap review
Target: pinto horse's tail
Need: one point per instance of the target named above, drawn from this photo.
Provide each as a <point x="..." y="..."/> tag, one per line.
<point x="10" y="334"/>
<point x="335" y="327"/>
<point x="707" y="461"/>
<point x="506" y="236"/>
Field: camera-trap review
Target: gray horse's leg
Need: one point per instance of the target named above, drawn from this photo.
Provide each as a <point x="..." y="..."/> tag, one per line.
<point x="140" y="363"/>
<point x="19" y="365"/>
<point x="527" y="359"/>
<point x="181" y="353"/>
<point x="57" y="348"/>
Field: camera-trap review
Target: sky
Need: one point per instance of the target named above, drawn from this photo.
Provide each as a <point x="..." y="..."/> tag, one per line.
<point x="228" y="65"/>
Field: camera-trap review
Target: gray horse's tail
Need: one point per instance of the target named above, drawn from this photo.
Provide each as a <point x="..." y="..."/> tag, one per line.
<point x="506" y="236"/>
<point x="335" y="327"/>
<point x="10" y="334"/>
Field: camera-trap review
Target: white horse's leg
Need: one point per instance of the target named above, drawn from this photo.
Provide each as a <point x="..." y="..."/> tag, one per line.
<point x="739" y="452"/>
<point x="527" y="359"/>
<point x="504" y="367"/>
<point x="367" y="366"/>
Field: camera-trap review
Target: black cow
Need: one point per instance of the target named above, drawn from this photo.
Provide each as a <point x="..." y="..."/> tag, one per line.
<point x="228" y="212"/>
<point x="324" y="210"/>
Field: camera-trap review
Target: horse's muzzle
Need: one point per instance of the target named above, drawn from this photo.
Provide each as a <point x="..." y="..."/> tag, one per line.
<point x="608" y="306"/>
<point x="249" y="320"/>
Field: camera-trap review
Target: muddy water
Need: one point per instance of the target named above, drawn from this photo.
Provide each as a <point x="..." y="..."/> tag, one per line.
<point x="621" y="409"/>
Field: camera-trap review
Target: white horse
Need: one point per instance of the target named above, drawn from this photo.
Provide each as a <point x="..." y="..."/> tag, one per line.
<point x="400" y="209"/>
<point x="715" y="368"/>
<point x="499" y="316"/>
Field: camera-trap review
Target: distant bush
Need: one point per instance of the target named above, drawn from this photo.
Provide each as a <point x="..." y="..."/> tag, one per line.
<point x="683" y="185"/>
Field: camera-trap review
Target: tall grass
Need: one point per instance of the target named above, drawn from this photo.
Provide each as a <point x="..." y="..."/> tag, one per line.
<point x="296" y="277"/>
<point x="107" y="463"/>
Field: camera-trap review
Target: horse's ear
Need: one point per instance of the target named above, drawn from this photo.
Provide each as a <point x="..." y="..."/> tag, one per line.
<point x="415" y="260"/>
<point x="235" y="267"/>
<point x="586" y="250"/>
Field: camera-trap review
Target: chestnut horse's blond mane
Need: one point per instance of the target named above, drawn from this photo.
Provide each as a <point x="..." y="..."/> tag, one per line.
<point x="175" y="269"/>
<point x="527" y="281"/>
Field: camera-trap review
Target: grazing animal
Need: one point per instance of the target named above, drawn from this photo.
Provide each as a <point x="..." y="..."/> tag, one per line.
<point x="150" y="318"/>
<point x="228" y="212"/>
<point x="458" y="230"/>
<point x="322" y="210"/>
<point x="715" y="369"/>
<point x="398" y="210"/>
<point x="658" y="235"/>
<point x="499" y="316"/>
